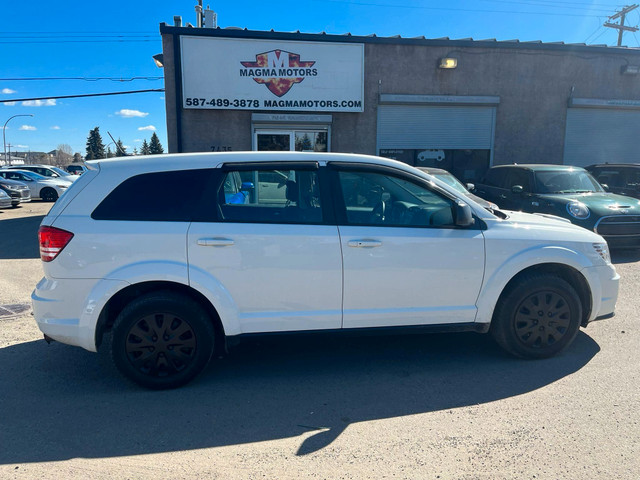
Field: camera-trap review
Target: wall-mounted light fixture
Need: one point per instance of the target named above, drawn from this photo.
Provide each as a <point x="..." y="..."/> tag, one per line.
<point x="158" y="58"/>
<point x="448" y="62"/>
<point x="630" y="69"/>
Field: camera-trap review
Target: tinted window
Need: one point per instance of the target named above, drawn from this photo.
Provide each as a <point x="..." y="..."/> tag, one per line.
<point x="270" y="196"/>
<point x="520" y="177"/>
<point x="379" y="199"/>
<point x="160" y="197"/>
<point x="496" y="177"/>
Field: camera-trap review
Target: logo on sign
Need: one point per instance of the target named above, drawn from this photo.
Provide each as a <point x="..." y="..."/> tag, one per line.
<point x="278" y="70"/>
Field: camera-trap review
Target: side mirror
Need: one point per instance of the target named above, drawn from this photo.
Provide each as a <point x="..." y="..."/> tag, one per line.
<point x="464" y="217"/>
<point x="605" y="186"/>
<point x="517" y="189"/>
<point x="471" y="187"/>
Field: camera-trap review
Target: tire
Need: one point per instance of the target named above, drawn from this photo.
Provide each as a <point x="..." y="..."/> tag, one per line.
<point x="162" y="340"/>
<point x="48" y="194"/>
<point x="537" y="317"/>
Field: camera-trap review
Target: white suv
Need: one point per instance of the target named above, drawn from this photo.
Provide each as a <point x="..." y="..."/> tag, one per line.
<point x="261" y="242"/>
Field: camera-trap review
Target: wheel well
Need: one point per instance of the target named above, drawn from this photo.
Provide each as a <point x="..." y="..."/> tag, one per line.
<point x="116" y="303"/>
<point x="567" y="273"/>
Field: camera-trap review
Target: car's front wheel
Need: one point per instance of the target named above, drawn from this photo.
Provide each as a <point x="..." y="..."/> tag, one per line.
<point x="537" y="317"/>
<point x="162" y="340"/>
<point x="48" y="194"/>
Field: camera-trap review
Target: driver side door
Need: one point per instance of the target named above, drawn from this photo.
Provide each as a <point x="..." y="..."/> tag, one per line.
<point x="405" y="262"/>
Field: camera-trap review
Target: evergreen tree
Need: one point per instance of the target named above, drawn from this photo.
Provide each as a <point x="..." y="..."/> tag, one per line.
<point x="155" y="146"/>
<point x="95" y="147"/>
<point x="110" y="154"/>
<point x="121" y="150"/>
<point x="144" y="150"/>
<point x="135" y="151"/>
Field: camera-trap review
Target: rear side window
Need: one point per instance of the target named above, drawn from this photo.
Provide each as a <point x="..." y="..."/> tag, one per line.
<point x="496" y="177"/>
<point x="156" y="197"/>
<point x="270" y="196"/>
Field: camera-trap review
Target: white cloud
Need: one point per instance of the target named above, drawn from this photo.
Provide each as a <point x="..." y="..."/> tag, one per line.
<point x="7" y="91"/>
<point x="20" y="146"/>
<point x="126" y="113"/>
<point x="40" y="103"/>
<point x="55" y="127"/>
<point x="148" y="127"/>
<point x="138" y="140"/>
<point x="162" y="98"/>
<point x="10" y="104"/>
<point x="28" y="127"/>
<point x="126" y="147"/>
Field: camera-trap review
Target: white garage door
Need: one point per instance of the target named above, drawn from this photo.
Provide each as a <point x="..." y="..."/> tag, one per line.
<point x="441" y="127"/>
<point x="599" y="135"/>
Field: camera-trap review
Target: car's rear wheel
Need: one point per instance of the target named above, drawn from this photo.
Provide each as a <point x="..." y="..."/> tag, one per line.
<point x="48" y="194"/>
<point x="162" y="340"/>
<point x="537" y="317"/>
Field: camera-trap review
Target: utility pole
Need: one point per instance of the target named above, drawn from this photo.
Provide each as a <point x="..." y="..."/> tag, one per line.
<point x="621" y="27"/>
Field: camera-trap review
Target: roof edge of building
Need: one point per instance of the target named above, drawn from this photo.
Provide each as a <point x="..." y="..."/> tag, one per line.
<point x="236" y="32"/>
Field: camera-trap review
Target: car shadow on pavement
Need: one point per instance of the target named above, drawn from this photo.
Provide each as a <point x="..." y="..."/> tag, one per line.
<point x="19" y="237"/>
<point x="59" y="402"/>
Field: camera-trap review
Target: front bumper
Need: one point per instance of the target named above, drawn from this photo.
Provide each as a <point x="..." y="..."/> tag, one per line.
<point x="604" y="282"/>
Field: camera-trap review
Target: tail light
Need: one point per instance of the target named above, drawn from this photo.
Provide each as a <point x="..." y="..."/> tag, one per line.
<point x="52" y="240"/>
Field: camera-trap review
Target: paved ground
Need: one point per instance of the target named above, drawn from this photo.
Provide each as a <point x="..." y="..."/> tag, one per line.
<point x="440" y="406"/>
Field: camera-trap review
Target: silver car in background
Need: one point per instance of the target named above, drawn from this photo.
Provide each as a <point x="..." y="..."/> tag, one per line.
<point x="48" y="171"/>
<point x="45" y="188"/>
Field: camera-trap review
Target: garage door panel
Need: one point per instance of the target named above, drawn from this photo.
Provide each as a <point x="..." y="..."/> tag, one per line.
<point x="442" y="127"/>
<point x="599" y="135"/>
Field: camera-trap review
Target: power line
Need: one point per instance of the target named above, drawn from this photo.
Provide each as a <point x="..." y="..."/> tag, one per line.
<point x="81" y="96"/>
<point x="516" y="12"/>
<point x="88" y="79"/>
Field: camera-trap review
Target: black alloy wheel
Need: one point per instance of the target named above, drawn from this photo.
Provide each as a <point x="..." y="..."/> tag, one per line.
<point x="537" y="316"/>
<point x="49" y="194"/>
<point x="542" y="319"/>
<point x="162" y="340"/>
<point x="161" y="345"/>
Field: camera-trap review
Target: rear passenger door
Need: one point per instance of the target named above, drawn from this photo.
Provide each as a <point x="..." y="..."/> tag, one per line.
<point x="265" y="237"/>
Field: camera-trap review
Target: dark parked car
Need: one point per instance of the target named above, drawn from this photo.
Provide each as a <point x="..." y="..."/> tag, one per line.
<point x="565" y="191"/>
<point x="622" y="178"/>
<point x="18" y="191"/>
<point x="76" y="169"/>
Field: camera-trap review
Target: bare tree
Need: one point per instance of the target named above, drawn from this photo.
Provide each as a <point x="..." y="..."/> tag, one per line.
<point x="64" y="155"/>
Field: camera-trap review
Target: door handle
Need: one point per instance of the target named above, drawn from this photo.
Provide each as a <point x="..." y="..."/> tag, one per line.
<point x="364" y="243"/>
<point x="215" y="242"/>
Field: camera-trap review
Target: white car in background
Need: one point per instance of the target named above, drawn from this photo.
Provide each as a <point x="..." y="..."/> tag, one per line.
<point x="45" y="188"/>
<point x="48" y="171"/>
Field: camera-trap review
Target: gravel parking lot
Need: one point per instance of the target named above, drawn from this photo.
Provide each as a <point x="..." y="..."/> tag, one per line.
<point x="420" y="407"/>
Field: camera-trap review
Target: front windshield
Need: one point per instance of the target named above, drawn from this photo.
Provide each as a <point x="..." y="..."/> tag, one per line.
<point x="33" y="175"/>
<point x="566" y="181"/>
<point x="452" y="181"/>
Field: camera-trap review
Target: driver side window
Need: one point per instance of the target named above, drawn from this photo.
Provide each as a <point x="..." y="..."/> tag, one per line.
<point x="386" y="200"/>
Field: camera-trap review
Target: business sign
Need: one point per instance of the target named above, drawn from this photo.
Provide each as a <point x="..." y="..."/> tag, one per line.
<point x="247" y="74"/>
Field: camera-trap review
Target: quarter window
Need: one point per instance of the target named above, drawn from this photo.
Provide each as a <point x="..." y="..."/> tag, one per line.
<point x="379" y="199"/>
<point x="271" y="196"/>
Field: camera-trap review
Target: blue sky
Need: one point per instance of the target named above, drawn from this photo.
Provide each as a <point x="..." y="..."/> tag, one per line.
<point x="117" y="39"/>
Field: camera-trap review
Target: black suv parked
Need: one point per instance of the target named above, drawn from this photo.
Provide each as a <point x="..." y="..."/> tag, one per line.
<point x="622" y="178"/>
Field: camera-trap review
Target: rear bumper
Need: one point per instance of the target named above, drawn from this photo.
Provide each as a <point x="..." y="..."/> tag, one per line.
<point x="67" y="310"/>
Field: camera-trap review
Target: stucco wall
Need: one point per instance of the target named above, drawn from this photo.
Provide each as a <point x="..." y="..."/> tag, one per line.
<point x="534" y="85"/>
